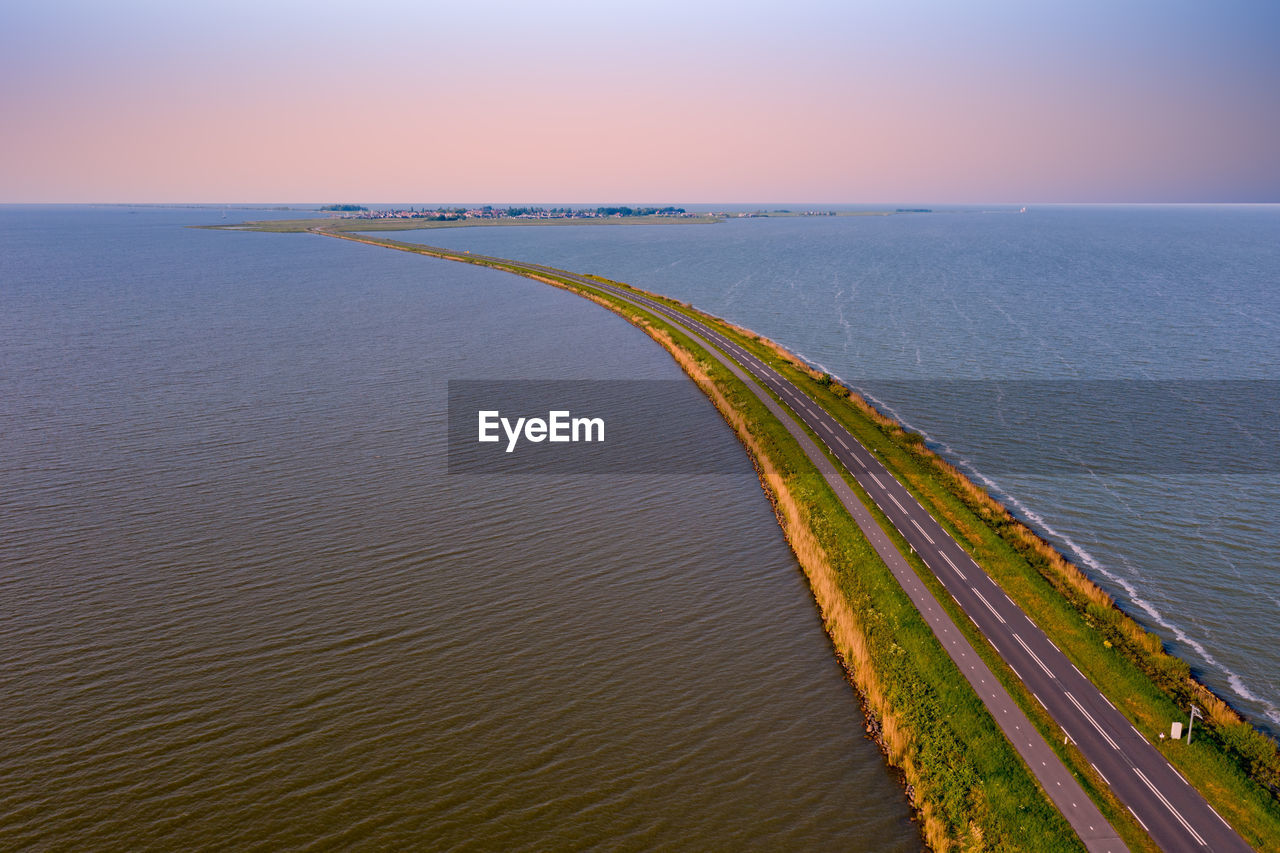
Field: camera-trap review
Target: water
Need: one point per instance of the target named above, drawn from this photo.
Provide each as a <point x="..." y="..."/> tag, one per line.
<point x="1160" y="294"/>
<point x="242" y="604"/>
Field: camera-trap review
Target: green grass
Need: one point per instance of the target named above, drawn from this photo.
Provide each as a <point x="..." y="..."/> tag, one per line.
<point x="962" y="770"/>
<point x="967" y="770"/>
<point x="968" y="774"/>
<point x="1230" y="764"/>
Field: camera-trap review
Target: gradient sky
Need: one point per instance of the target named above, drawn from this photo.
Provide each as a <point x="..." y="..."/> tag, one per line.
<point x="653" y="101"/>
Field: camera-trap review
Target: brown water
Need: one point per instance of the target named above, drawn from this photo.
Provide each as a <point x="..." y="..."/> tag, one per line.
<point x="242" y="605"/>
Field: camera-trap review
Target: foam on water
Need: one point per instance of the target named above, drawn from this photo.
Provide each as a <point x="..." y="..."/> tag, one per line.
<point x="1147" y="292"/>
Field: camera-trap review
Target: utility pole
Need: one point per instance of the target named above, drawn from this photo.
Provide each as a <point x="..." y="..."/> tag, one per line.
<point x="1195" y="712"/>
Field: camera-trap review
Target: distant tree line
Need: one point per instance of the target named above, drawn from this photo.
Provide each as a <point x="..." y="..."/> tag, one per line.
<point x="351" y="208"/>
<point x="637" y="211"/>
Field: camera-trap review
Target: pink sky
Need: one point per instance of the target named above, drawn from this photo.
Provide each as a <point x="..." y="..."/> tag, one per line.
<point x="657" y="102"/>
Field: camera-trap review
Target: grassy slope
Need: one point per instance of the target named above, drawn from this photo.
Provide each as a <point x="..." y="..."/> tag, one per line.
<point x="968" y="785"/>
<point x="967" y="782"/>
<point x="1232" y="764"/>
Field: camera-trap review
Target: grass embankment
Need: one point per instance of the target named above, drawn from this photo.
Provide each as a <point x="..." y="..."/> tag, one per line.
<point x="1234" y="765"/>
<point x="963" y="777"/>
<point x="968" y="786"/>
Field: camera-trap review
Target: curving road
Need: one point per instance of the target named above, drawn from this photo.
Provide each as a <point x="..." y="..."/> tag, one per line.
<point x="1175" y="815"/>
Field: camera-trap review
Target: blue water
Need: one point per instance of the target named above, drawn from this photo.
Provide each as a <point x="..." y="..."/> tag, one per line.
<point x="1115" y="292"/>
<point x="243" y="605"/>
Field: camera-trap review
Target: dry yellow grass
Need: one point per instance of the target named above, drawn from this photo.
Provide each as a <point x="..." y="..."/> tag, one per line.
<point x="841" y="623"/>
<point x="1070" y="575"/>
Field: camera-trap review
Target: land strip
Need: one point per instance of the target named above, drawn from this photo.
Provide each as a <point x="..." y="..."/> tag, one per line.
<point x="342" y="226"/>
<point x="350" y="224"/>
<point x="894" y="502"/>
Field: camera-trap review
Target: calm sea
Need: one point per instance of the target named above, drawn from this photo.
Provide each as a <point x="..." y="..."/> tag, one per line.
<point x="939" y="315"/>
<point x="243" y="605"/>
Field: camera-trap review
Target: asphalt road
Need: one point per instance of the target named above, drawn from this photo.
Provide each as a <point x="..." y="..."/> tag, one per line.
<point x="1175" y="815"/>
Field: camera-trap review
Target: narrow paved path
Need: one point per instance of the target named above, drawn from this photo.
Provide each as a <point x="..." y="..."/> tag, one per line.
<point x="1175" y="815"/>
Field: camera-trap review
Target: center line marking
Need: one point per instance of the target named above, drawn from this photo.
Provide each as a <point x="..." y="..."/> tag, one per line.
<point x="1168" y="805"/>
<point x="1034" y="656"/>
<point x="922" y="532"/>
<point x="994" y="612"/>
<point x="1093" y="722"/>
<point x="952" y="565"/>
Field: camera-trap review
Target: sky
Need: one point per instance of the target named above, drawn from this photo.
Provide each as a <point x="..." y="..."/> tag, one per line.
<point x="384" y="101"/>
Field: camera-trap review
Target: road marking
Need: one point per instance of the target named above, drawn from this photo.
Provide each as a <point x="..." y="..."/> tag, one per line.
<point x="1099" y="772"/>
<point x="1093" y="722"/>
<point x="1015" y="672"/>
<point x="1220" y="817"/>
<point x="828" y="429"/>
<point x="1034" y="656"/>
<point x="877" y="479"/>
<point x="900" y="507"/>
<point x="922" y="532"/>
<point x="842" y="444"/>
<point x="1180" y="776"/>
<point x="952" y="565"/>
<point x="1138" y="819"/>
<point x="994" y="612"/>
<point x="1168" y="805"/>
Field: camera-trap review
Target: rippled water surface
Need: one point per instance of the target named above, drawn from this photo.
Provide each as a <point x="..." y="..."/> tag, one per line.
<point x="1117" y="293"/>
<point x="242" y="605"/>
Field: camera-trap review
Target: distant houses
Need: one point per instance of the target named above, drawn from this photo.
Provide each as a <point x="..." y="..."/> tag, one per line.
<point x="489" y="212"/>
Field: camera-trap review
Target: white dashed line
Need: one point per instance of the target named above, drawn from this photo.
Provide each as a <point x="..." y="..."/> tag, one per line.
<point x="952" y="565"/>
<point x="1168" y="805"/>
<point x="994" y="612"/>
<point x="922" y="532"/>
<point x="1034" y="656"/>
<point x="1093" y="722"/>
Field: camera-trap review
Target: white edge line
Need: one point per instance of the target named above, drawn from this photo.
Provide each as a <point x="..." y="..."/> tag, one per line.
<point x="1138" y="819"/>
